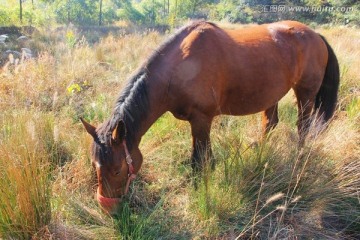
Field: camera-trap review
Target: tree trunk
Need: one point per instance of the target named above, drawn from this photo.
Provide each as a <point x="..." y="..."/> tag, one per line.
<point x="100" y="14"/>
<point x="153" y="12"/>
<point x="175" y="8"/>
<point x="68" y="11"/>
<point x="195" y="6"/>
<point x="164" y="8"/>
<point x="194" y="9"/>
<point x="168" y="7"/>
<point x="20" y="1"/>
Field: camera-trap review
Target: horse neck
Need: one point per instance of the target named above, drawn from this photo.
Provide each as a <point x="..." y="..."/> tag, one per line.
<point x="159" y="68"/>
<point x="156" y="108"/>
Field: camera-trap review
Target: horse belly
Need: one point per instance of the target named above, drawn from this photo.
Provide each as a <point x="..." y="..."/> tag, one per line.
<point x="252" y="98"/>
<point x="256" y="82"/>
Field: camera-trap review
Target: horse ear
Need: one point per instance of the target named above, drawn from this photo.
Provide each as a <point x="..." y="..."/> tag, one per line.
<point x="119" y="133"/>
<point x="89" y="128"/>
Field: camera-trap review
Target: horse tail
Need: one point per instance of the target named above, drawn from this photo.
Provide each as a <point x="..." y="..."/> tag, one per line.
<point x="326" y="98"/>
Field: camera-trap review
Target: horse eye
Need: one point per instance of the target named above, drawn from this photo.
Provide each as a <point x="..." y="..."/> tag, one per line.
<point x="117" y="173"/>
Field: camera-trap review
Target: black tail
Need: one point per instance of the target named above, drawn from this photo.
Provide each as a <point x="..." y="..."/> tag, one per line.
<point x="326" y="98"/>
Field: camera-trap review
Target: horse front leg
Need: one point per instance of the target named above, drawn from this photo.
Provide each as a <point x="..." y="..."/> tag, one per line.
<point x="201" y="154"/>
<point x="269" y="119"/>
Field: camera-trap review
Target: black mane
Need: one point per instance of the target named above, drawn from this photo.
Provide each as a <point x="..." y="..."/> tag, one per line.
<point x="132" y="106"/>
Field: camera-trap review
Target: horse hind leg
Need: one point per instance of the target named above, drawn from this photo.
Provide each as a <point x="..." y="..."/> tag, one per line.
<point x="270" y="119"/>
<point x="305" y="102"/>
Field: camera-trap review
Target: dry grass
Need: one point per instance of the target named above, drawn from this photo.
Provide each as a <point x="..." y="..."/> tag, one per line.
<point x="25" y="175"/>
<point x="270" y="191"/>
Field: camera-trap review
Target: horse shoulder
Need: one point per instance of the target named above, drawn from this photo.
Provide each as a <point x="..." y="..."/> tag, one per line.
<point x="196" y="72"/>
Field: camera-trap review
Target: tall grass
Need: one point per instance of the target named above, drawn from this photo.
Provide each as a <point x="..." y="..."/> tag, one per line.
<point x="270" y="190"/>
<point x="277" y="191"/>
<point x="25" y="194"/>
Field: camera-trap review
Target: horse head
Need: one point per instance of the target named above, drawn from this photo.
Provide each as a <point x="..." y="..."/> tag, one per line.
<point x="114" y="165"/>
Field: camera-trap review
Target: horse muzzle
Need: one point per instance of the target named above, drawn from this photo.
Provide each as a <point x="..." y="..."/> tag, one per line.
<point x="109" y="205"/>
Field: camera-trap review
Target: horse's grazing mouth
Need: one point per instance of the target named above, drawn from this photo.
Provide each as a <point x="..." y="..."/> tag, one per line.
<point x="108" y="204"/>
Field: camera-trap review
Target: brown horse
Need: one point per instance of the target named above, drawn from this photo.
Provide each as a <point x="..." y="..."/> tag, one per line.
<point x="204" y="71"/>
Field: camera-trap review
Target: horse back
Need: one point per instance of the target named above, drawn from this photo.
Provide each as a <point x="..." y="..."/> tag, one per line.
<point x="246" y="70"/>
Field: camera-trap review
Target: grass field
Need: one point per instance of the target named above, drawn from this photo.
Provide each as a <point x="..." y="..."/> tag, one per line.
<point x="270" y="191"/>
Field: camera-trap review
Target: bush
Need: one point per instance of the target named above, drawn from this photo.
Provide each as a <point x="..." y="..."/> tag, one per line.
<point x="231" y="12"/>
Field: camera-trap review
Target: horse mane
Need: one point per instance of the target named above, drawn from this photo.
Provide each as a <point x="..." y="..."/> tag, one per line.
<point x="132" y="105"/>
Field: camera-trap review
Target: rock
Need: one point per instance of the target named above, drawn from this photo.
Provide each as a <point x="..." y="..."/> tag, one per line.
<point x="22" y="38"/>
